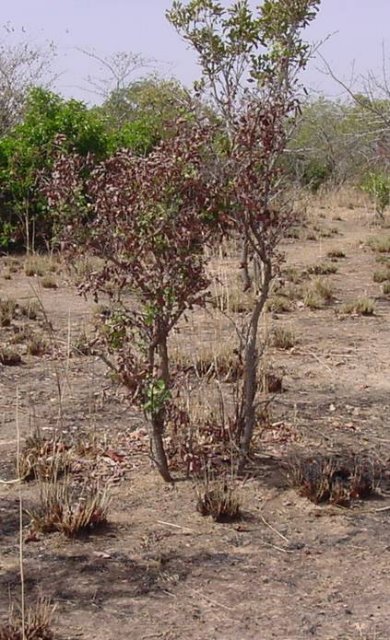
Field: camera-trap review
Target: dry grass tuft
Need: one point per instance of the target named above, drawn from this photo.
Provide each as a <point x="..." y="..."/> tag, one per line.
<point x="9" y="357"/>
<point x="231" y="299"/>
<point x="49" y="282"/>
<point x="43" y="459"/>
<point x="220" y="500"/>
<point x="69" y="510"/>
<point x="322" y="269"/>
<point x="283" y="338"/>
<point x="318" y="294"/>
<point x="337" y="480"/>
<point x="279" y="304"/>
<point x="217" y="361"/>
<point x="37" y="345"/>
<point x="382" y="275"/>
<point x="7" y="312"/>
<point x="360" y="307"/>
<point x="379" y="244"/>
<point x="39" y="265"/>
<point x="336" y="254"/>
<point x="30" y="310"/>
<point x="37" y="623"/>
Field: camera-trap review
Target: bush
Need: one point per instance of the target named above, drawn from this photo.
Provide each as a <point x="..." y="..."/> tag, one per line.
<point x="377" y="185"/>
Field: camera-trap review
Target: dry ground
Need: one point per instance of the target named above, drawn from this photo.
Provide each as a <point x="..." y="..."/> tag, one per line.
<point x="290" y="569"/>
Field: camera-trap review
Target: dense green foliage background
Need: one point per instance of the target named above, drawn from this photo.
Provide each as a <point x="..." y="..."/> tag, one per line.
<point x="334" y="142"/>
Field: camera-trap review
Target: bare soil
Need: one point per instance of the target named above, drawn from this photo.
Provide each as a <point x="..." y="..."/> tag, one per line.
<point x="290" y="569"/>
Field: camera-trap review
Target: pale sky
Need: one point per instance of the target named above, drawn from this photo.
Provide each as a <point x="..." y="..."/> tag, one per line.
<point x="358" y="30"/>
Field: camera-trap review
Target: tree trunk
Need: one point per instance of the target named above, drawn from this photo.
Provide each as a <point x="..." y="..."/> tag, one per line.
<point x="251" y="357"/>
<point x="158" y="419"/>
<point x="157" y="445"/>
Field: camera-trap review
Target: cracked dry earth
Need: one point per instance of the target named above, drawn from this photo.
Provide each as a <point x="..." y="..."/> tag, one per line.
<point x="290" y="569"/>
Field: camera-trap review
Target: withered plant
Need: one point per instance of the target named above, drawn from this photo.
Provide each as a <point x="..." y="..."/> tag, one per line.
<point x="70" y="510"/>
<point x="37" y="623"/>
<point x="219" y="499"/>
<point x="148" y="219"/>
<point x="335" y="479"/>
<point x="250" y="60"/>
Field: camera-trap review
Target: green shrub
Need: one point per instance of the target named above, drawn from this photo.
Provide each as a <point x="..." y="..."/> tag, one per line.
<point x="377" y="185"/>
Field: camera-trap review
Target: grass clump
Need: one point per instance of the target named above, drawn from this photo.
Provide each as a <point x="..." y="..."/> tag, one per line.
<point x="337" y="480"/>
<point x="30" y="310"/>
<point x="37" y="623"/>
<point x="220" y="500"/>
<point x="294" y="275"/>
<point x="9" y="357"/>
<point x="283" y="338"/>
<point x="39" y="266"/>
<point x="381" y="275"/>
<point x="211" y="362"/>
<point x="379" y="244"/>
<point x="82" y="344"/>
<point x="336" y="254"/>
<point x="360" y="307"/>
<point x="42" y="459"/>
<point x="7" y="312"/>
<point x="37" y="345"/>
<point x="322" y="269"/>
<point x="386" y="288"/>
<point x="232" y="300"/>
<point x="279" y="304"/>
<point x="383" y="259"/>
<point x="49" y="282"/>
<point x="318" y="294"/>
<point x="69" y="510"/>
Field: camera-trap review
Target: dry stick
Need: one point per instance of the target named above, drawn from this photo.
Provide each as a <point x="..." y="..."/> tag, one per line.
<point x="321" y="362"/>
<point x="176" y="526"/>
<point x="211" y="601"/>
<point x="21" y="567"/>
<point x="274" y="530"/>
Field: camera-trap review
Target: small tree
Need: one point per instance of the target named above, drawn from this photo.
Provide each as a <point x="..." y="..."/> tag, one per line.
<point x="250" y="63"/>
<point x="148" y="218"/>
<point x="22" y="66"/>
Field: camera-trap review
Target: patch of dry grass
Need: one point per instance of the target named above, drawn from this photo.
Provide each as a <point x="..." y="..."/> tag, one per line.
<point x="217" y="360"/>
<point x="381" y="275"/>
<point x="69" y="510"/>
<point x="41" y="458"/>
<point x="232" y="299"/>
<point x="38" y="345"/>
<point x="318" y="293"/>
<point x="322" y="269"/>
<point x="337" y="480"/>
<point x="220" y="500"/>
<point x="9" y="357"/>
<point x="279" y="304"/>
<point x="283" y="338"/>
<point x="379" y="244"/>
<point x="361" y="307"/>
<point x="40" y="265"/>
<point x="37" y="623"/>
<point x="7" y="311"/>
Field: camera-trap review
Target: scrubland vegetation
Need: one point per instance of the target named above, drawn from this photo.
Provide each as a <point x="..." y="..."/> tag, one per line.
<point x="197" y="445"/>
